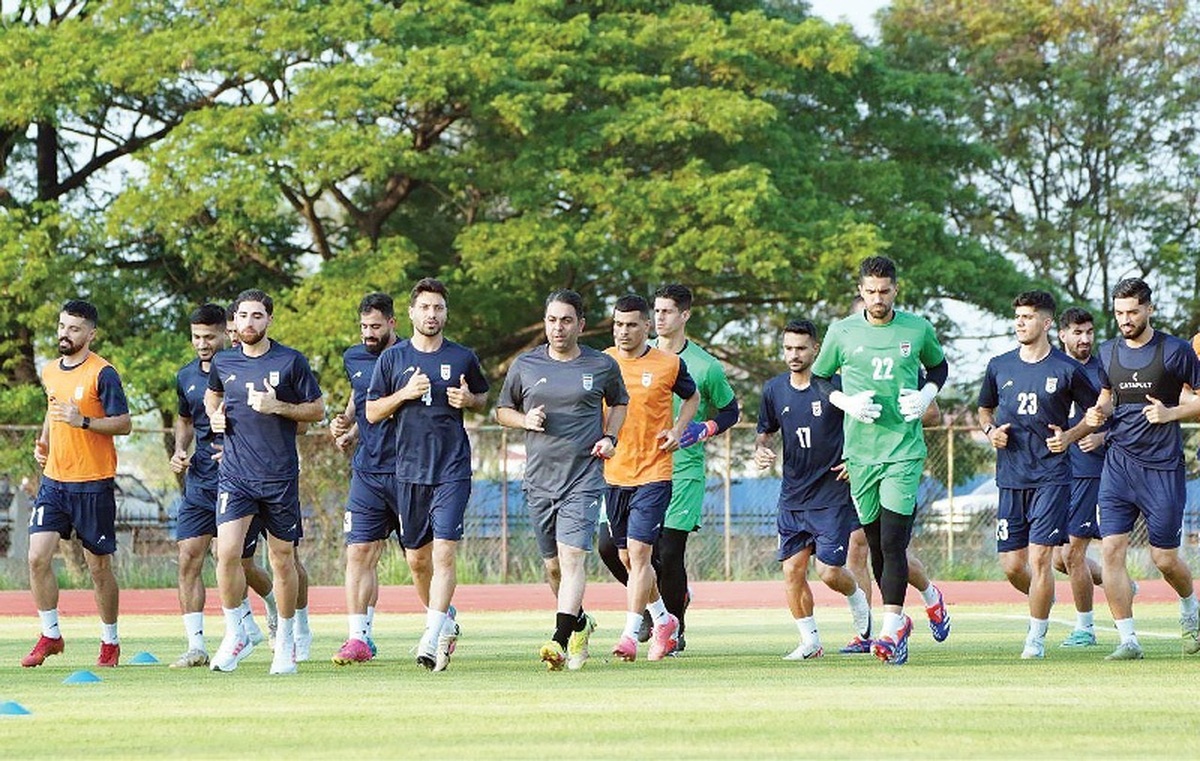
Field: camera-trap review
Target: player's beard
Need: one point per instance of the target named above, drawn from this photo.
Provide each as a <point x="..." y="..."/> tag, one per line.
<point x="66" y="348"/>
<point x="250" y="336"/>
<point x="1135" y="330"/>
<point x="375" y="345"/>
<point x="428" y="330"/>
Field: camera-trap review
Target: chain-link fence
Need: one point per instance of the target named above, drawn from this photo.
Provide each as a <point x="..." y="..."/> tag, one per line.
<point x="954" y="533"/>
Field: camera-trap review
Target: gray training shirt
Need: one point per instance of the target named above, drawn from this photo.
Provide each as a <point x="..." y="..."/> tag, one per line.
<point x="559" y="460"/>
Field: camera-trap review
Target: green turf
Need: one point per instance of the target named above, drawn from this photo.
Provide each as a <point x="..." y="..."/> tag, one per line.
<point x="730" y="696"/>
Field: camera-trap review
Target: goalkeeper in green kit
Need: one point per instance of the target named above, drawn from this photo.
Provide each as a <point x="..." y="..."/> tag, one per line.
<point x="880" y="353"/>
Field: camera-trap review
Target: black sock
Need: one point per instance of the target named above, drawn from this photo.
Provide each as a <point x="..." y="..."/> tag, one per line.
<point x="564" y="624"/>
<point x="581" y="621"/>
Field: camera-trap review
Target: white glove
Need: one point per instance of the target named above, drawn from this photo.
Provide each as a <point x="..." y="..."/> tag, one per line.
<point x="861" y="406"/>
<point x="913" y="403"/>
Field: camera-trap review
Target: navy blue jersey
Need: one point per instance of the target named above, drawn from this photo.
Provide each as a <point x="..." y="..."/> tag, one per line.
<point x="1158" y="369"/>
<point x="431" y="444"/>
<point x="812" y="443"/>
<point x="1032" y="396"/>
<point x="261" y="447"/>
<point x="1086" y="464"/>
<point x="376" y="452"/>
<point x="190" y="384"/>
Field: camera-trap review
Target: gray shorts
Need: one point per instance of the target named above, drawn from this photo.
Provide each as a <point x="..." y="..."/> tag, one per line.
<point x="570" y="519"/>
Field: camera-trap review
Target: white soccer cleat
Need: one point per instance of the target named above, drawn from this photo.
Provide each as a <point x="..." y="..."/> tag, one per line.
<point x="234" y="649"/>
<point x="303" y="644"/>
<point x="805" y="653"/>
<point x="284" y="661"/>
<point x="1035" y="650"/>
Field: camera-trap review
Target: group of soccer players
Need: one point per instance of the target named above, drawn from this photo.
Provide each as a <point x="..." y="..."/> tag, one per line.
<point x="1084" y="444"/>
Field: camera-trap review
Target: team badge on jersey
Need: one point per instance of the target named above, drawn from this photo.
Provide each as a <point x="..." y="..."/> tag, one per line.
<point x="816" y="409"/>
<point x="587" y="381"/>
<point x="445" y="372"/>
<point x="1051" y="385"/>
<point x="78" y="392"/>
<point x="274" y="377"/>
<point x="647" y="379"/>
<point x="905" y="348"/>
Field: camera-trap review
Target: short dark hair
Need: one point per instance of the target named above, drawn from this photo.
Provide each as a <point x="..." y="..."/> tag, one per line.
<point x="254" y="294"/>
<point x="81" y="308"/>
<point x="428" y="285"/>
<point x="680" y="294"/>
<point x="567" y="296"/>
<point x="208" y="314"/>
<point x="230" y="312"/>
<point x="1132" y="288"/>
<point x="1039" y="300"/>
<point x="377" y="302"/>
<point x="877" y="266"/>
<point x="802" y="327"/>
<point x="1074" y="316"/>
<point x="631" y="302"/>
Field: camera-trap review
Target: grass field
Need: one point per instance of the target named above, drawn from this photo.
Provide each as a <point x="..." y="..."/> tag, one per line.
<point x="729" y="696"/>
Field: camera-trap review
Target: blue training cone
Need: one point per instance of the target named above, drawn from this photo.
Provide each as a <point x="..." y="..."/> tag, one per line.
<point x="81" y="677"/>
<point x="143" y="659"/>
<point x="13" y="708"/>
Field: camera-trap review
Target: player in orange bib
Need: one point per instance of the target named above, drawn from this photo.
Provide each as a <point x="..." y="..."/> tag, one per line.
<point x="639" y="473"/>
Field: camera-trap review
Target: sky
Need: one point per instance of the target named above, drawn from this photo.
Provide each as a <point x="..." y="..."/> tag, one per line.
<point x="857" y="12"/>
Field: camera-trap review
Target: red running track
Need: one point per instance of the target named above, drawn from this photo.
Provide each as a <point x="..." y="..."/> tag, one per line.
<point x="518" y="597"/>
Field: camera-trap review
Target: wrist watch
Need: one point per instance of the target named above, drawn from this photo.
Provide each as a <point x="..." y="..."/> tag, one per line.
<point x="87" y="423"/>
<point x="611" y="438"/>
<point x="987" y="429"/>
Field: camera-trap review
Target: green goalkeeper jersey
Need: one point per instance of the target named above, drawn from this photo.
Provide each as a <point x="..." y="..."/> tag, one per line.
<point x="886" y="359"/>
<point x="715" y="393"/>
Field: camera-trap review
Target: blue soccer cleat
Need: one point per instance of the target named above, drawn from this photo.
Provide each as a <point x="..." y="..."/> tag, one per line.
<point x="893" y="650"/>
<point x="939" y="618"/>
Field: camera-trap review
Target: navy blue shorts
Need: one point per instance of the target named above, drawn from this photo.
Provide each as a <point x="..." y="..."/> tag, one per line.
<point x="198" y="517"/>
<point x="1032" y="516"/>
<point x="637" y="512"/>
<point x="826" y="528"/>
<point x="429" y="512"/>
<point x="1084" y="521"/>
<point x="570" y="519"/>
<point x="370" y="508"/>
<point x="89" y="509"/>
<point x="275" y="503"/>
<point x="1127" y="489"/>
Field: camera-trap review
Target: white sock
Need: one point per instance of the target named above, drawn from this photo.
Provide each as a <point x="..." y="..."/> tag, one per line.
<point x="302" y="629"/>
<point x="891" y="624"/>
<point x="633" y="622"/>
<point x="249" y="625"/>
<point x="233" y="622"/>
<point x="808" y="630"/>
<point x="193" y="624"/>
<point x="370" y="619"/>
<point x="1085" y="621"/>
<point x="930" y="595"/>
<point x="434" y="619"/>
<point x="1037" y="629"/>
<point x="50" y="623"/>
<point x="1188" y="606"/>
<point x="658" y="611"/>
<point x="1125" y="629"/>
<point x="108" y="634"/>
<point x="285" y="645"/>
<point x="358" y="626"/>
<point x="860" y="610"/>
<point x="269" y="601"/>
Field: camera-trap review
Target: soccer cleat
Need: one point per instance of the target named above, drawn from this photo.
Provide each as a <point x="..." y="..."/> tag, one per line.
<point x="939" y="618"/>
<point x="1126" y="651"/>
<point x="646" y="630"/>
<point x="45" y="647"/>
<point x="233" y="650"/>
<point x="553" y="655"/>
<point x="577" y="645"/>
<point x="857" y="646"/>
<point x="352" y="651"/>
<point x="664" y="640"/>
<point x="110" y="655"/>
<point x="303" y="646"/>
<point x="446" y="642"/>
<point x="191" y="659"/>
<point x="284" y="662"/>
<point x="427" y="651"/>
<point x="1035" y="650"/>
<point x="625" y="649"/>
<point x="371" y="644"/>
<point x="680" y="646"/>
<point x="805" y="653"/>
<point x="893" y="650"/>
<point x="1191" y="633"/>
<point x="1080" y="638"/>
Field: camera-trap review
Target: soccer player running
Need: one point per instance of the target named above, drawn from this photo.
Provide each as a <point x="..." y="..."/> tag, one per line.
<point x="557" y="394"/>
<point x="1024" y="406"/>
<point x="1144" y="375"/>
<point x="196" y="524"/>
<point x="1076" y="332"/>
<point x="880" y="353"/>
<point x="370" y="515"/>
<point x="815" y="514"/>
<point x="86" y="408"/>
<point x="425" y="383"/>
<point x="257" y="395"/>
<point x="639" y="474"/>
